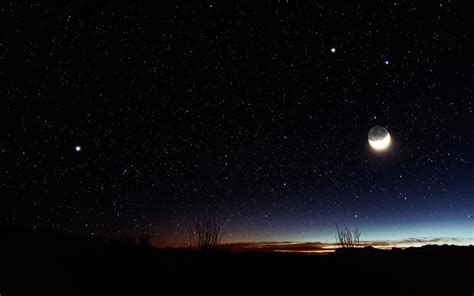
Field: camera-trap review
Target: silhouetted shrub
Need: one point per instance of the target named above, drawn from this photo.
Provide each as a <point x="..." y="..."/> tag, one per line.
<point x="345" y="238"/>
<point x="143" y="241"/>
<point x="204" y="233"/>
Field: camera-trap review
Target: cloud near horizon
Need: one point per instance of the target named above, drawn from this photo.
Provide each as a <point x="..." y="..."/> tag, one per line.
<point x="321" y="246"/>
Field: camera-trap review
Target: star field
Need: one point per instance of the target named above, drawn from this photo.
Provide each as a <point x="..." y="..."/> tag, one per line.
<point x="125" y="119"/>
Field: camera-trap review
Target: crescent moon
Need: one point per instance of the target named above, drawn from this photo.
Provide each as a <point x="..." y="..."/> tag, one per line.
<point x="381" y="144"/>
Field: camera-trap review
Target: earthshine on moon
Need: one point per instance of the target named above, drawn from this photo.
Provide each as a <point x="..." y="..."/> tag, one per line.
<point x="379" y="138"/>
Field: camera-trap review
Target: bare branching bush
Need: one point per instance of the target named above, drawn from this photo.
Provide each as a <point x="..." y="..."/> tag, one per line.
<point x="345" y="238"/>
<point x="204" y="233"/>
<point x="144" y="240"/>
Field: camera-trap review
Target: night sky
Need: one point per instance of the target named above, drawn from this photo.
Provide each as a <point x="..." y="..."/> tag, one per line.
<point x="121" y="119"/>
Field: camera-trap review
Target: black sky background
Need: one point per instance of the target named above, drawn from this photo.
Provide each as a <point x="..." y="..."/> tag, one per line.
<point x="238" y="107"/>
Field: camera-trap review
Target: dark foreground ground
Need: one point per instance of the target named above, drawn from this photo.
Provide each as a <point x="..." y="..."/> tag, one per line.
<point x="48" y="263"/>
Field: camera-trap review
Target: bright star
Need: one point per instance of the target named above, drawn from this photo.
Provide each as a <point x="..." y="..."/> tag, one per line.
<point x="386" y="62"/>
<point x="78" y="148"/>
<point x="333" y="50"/>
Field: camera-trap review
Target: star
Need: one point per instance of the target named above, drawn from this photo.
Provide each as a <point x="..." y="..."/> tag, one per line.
<point x="386" y="62"/>
<point x="333" y="50"/>
<point x="78" y="148"/>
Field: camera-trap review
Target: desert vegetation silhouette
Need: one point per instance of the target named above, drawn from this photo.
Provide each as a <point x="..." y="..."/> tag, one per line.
<point x="346" y="238"/>
<point x="204" y="233"/>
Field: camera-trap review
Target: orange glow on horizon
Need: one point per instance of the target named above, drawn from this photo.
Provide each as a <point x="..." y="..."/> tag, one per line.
<point x="321" y="252"/>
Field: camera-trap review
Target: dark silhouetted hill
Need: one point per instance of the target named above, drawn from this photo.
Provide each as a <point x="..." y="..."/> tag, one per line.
<point x="45" y="262"/>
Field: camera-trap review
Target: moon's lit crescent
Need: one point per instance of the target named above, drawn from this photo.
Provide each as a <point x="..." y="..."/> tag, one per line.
<point x="381" y="144"/>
